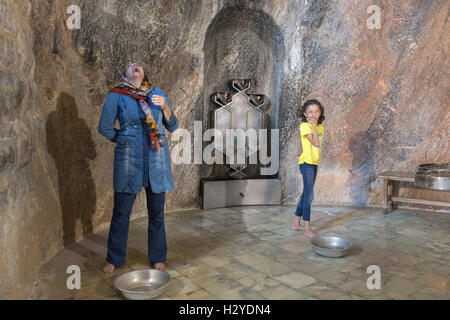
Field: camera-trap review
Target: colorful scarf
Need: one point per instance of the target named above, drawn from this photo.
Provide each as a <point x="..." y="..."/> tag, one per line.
<point x="127" y="88"/>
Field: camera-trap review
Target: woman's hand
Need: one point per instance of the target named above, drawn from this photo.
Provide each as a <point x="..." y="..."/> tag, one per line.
<point x="297" y="155"/>
<point x="161" y="102"/>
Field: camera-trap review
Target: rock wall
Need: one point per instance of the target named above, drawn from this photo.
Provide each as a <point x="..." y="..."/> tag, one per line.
<point x="385" y="94"/>
<point x="30" y="224"/>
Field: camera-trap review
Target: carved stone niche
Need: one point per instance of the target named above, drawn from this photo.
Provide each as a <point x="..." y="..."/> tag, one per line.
<point x="236" y="110"/>
<point x="246" y="45"/>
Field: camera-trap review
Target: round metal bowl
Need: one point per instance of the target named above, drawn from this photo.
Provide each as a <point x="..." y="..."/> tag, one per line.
<point x="433" y="166"/>
<point x="142" y="284"/>
<point x="434" y="176"/>
<point x="330" y="246"/>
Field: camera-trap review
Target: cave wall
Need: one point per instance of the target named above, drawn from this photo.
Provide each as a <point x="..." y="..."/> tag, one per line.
<point x="30" y="224"/>
<point x="385" y="94"/>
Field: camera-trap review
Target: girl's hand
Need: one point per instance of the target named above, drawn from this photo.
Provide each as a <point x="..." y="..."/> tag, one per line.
<point x="312" y="120"/>
<point x="297" y="155"/>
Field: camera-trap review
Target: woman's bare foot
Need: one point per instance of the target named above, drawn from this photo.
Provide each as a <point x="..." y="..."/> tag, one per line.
<point x="309" y="233"/>
<point x="160" y="266"/>
<point x="108" y="268"/>
<point x="296" y="224"/>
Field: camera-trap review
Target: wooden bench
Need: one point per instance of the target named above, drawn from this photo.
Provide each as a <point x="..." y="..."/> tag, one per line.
<point x="389" y="179"/>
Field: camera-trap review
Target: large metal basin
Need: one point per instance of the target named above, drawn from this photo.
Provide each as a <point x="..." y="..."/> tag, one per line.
<point x="434" y="176"/>
<point x="142" y="284"/>
<point x="330" y="246"/>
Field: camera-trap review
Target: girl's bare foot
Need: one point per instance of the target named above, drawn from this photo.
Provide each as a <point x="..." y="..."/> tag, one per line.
<point x="296" y="224"/>
<point x="297" y="227"/>
<point x="309" y="233"/>
<point x="160" y="266"/>
<point x="108" y="268"/>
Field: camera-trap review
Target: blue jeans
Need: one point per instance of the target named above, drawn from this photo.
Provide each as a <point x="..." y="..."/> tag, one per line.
<point x="118" y="231"/>
<point x="309" y="173"/>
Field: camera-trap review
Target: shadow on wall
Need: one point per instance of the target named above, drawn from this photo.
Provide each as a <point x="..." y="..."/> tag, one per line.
<point x="369" y="148"/>
<point x="70" y="144"/>
<point x="362" y="146"/>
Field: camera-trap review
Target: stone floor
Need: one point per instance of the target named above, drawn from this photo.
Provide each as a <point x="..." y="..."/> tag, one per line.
<point x="251" y="253"/>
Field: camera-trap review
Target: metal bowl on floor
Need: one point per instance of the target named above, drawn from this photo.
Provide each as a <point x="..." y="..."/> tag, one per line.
<point x="330" y="246"/>
<point x="142" y="284"/>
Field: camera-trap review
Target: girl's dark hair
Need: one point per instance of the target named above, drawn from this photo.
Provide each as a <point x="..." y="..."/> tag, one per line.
<point x="302" y="110"/>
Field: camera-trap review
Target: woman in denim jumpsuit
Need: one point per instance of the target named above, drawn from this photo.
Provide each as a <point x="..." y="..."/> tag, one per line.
<point x="137" y="165"/>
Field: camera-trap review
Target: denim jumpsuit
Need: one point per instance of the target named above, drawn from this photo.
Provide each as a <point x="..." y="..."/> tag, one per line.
<point x="123" y="203"/>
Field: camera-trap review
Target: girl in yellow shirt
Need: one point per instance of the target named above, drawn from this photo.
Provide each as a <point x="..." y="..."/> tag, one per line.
<point x="311" y="133"/>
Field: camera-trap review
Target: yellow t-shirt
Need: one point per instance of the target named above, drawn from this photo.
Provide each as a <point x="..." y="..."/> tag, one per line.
<point x="310" y="153"/>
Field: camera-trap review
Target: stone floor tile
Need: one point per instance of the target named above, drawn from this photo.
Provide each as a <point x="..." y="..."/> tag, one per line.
<point x="95" y="290"/>
<point x="428" y="293"/>
<point x="295" y="246"/>
<point x="180" y="286"/>
<point x="216" y="261"/>
<point x="402" y="286"/>
<point x="240" y="293"/>
<point x="324" y="291"/>
<point x="272" y="268"/>
<point x="280" y="292"/>
<point x="200" y="294"/>
<point x="217" y="284"/>
<point x="296" y="279"/>
<point x="333" y="277"/>
<point x="434" y="281"/>
<point x="252" y="258"/>
<point x="257" y="281"/>
<point x="267" y="249"/>
<point x="199" y="271"/>
<point x="235" y="270"/>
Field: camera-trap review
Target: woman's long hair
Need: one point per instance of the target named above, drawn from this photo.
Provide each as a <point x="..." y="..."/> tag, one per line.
<point x="302" y="110"/>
